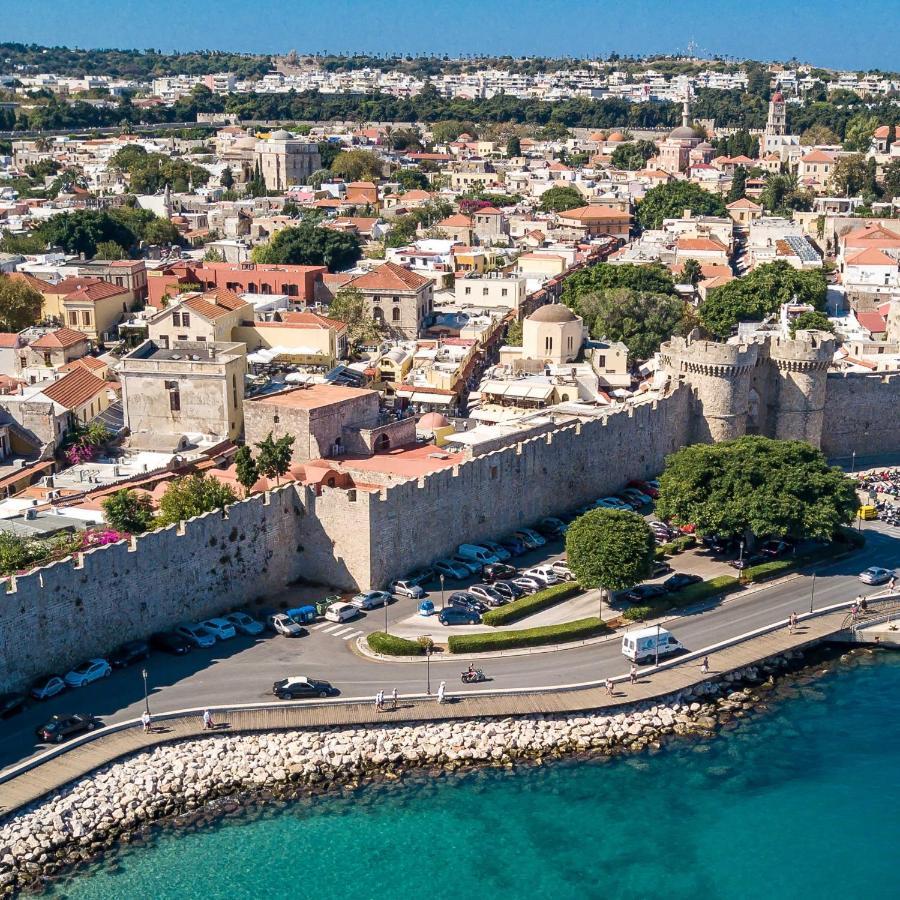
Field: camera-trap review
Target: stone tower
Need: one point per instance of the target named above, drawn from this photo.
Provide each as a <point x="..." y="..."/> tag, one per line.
<point x="796" y="385"/>
<point x="719" y="376"/>
<point x="776" y="124"/>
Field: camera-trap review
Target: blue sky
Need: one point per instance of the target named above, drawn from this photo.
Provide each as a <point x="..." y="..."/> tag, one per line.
<point x="857" y="34"/>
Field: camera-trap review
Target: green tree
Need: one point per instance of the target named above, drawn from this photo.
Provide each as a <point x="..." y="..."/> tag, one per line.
<point x="756" y="487"/>
<point x="651" y="279"/>
<point x="226" y="179"/>
<point x="639" y="320"/>
<point x="274" y="458"/>
<point x="669" y="201"/>
<point x="20" y="304"/>
<point x="561" y="198"/>
<point x="811" y="321"/>
<point x="213" y="255"/>
<point x="514" y="334"/>
<point x="819" y="135"/>
<point x="891" y="179"/>
<point x="128" y="511"/>
<point x="692" y="272"/>
<point x="246" y="469"/>
<point x="633" y="155"/>
<point x="350" y="306"/>
<point x="513" y="146"/>
<point x="357" y="165"/>
<point x="309" y="244"/>
<point x="193" y="495"/>
<point x="82" y="230"/>
<point x="412" y="179"/>
<point x="759" y="294"/>
<point x="110" y="250"/>
<point x="738" y="185"/>
<point x="859" y="131"/>
<point x="328" y="151"/>
<point x="318" y="178"/>
<point x="850" y="176"/>
<point x="610" y="549"/>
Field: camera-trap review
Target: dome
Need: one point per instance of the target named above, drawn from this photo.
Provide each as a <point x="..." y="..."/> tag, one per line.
<point x="281" y="135"/>
<point x="553" y="312"/>
<point x="432" y="420"/>
<point x="616" y="137"/>
<point x="682" y="133"/>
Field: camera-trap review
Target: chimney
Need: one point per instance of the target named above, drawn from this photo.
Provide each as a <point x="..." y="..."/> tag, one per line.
<point x="687" y="214"/>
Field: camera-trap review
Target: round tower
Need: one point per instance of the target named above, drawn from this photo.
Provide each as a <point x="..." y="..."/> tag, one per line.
<point x="719" y="376"/>
<point x="799" y="371"/>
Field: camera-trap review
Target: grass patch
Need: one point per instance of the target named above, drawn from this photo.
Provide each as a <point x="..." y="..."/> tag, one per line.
<point x="391" y="645"/>
<point x="528" y="637"/>
<point x="526" y="606"/>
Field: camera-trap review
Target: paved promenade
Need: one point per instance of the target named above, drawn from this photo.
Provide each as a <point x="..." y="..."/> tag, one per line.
<point x="26" y="783"/>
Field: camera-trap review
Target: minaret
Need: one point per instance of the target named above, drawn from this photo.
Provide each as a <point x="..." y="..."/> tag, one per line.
<point x="686" y="113"/>
<point x="167" y="201"/>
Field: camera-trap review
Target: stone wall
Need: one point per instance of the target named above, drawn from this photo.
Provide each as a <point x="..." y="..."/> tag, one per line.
<point x="862" y="415"/>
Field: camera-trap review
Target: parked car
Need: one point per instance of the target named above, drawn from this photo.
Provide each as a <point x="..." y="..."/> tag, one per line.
<point x="612" y="503"/>
<point x="245" y="623"/>
<point x="487" y="594"/>
<point x="472" y="566"/>
<point x="680" y="580"/>
<point x="530" y="538"/>
<point x="404" y="587"/>
<point x="466" y="600"/>
<point x="775" y="548"/>
<point x="643" y="592"/>
<point x="508" y="589"/>
<point x="876" y="575"/>
<point x="11" y="704"/>
<point x="562" y="569"/>
<point x="341" y="612"/>
<point x="299" y="687"/>
<point x="47" y="686"/>
<point x="458" y="615"/>
<point x="220" y="628"/>
<point x="637" y="496"/>
<point x="660" y="568"/>
<point x="283" y="624"/>
<point x="371" y="599"/>
<point x="90" y="670"/>
<point x="63" y="726"/>
<point x="631" y="503"/>
<point x="551" y="527"/>
<point x="451" y="569"/>
<point x="645" y="487"/>
<point x="528" y="584"/>
<point x="171" y="642"/>
<point x="476" y="553"/>
<point x="496" y="571"/>
<point x="420" y="576"/>
<point x="196" y="634"/>
<point x="498" y="550"/>
<point x="515" y="545"/>
<point x="746" y="561"/>
<point x="545" y="573"/>
<point x="128" y="654"/>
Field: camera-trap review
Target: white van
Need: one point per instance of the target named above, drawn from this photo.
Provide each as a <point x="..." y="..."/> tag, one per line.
<point x="477" y="554"/>
<point x="641" y="644"/>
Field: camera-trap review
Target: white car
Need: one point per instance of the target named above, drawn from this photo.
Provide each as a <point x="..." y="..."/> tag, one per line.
<point x="284" y="625"/>
<point x="341" y="612"/>
<point x="528" y="584"/>
<point x="876" y="575"/>
<point x="47" y="687"/>
<point x="405" y="587"/>
<point x="91" y="670"/>
<point x="370" y="599"/>
<point x="563" y="570"/>
<point x="222" y="629"/>
<point x="245" y="624"/>
<point x="544" y="572"/>
<point x="196" y="634"/>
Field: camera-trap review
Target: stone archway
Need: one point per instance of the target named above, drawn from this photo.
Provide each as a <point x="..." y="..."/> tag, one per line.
<point x="382" y="443"/>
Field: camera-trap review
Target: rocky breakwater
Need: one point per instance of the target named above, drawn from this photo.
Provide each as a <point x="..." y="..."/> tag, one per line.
<point x="117" y="801"/>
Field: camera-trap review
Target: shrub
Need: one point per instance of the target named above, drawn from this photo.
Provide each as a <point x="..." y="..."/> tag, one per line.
<point x="847" y="535"/>
<point x="659" y="553"/>
<point x="528" y="637"/>
<point x="694" y="593"/>
<point x="767" y="570"/>
<point x="670" y="549"/>
<point x="391" y="645"/>
<point x="526" y="606"/>
<point x="685" y="542"/>
<point x="637" y="613"/>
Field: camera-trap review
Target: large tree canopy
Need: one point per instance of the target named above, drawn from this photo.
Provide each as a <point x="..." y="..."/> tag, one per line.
<point x="633" y="155"/>
<point x="756" y="486"/>
<point x="309" y="244"/>
<point x="654" y="279"/>
<point x="610" y="549"/>
<point x="20" y="304"/>
<point x="561" y="198"/>
<point x="762" y="292"/>
<point x="669" y="201"/>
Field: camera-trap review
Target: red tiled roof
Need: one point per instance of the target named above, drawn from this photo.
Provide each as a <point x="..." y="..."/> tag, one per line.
<point x="62" y="338"/>
<point x="92" y="290"/>
<point x="583" y="213"/>
<point x="703" y="243"/>
<point x="75" y="388"/>
<point x="37" y="283"/>
<point x="313" y="320"/>
<point x="91" y="363"/>
<point x="873" y="322"/>
<point x="9" y="340"/>
<point x="456" y="221"/>
<point x="871" y="256"/>
<point x="390" y="276"/>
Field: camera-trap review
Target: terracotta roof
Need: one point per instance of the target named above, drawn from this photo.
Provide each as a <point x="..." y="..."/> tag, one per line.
<point x="488" y="211"/>
<point x="9" y="340"/>
<point x="92" y="290"/>
<point x="37" y="283"/>
<point x="873" y="322"/>
<point x="743" y="203"/>
<point x="456" y="221"/>
<point x="417" y="195"/>
<point x="817" y="156"/>
<point x="91" y="363"/>
<point x="312" y="320"/>
<point x="75" y="388"/>
<point x="62" y="338"/>
<point x="204" y="308"/>
<point x="225" y="298"/>
<point x="703" y="243"/>
<point x="582" y="213"/>
<point x="871" y="256"/>
<point x="390" y="276"/>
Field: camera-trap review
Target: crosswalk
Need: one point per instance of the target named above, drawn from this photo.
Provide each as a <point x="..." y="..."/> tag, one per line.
<point x="338" y="630"/>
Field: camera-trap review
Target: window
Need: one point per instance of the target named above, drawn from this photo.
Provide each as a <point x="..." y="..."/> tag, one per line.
<point x="164" y="341"/>
<point x="548" y="343"/>
<point x="468" y="291"/>
<point x="395" y="314"/>
<point x="174" y="395"/>
<point x="504" y="292"/>
<point x="176" y="319"/>
<point x="47" y="359"/>
<point x="182" y="337"/>
<point x="485" y="291"/>
<point x="395" y="299"/>
<point x="73" y="317"/>
<point x="234" y="391"/>
<point x="185" y="319"/>
<point x="601" y="361"/>
<point x="201" y="339"/>
<point x="85" y="317"/>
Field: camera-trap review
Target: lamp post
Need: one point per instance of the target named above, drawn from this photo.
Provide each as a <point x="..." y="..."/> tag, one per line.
<point x="442" y="591"/>
<point x="852" y="462"/>
<point x="812" y="595"/>
<point x="428" y="670"/>
<point x="385" y="615"/>
<point x="146" y="696"/>
<point x="741" y="556"/>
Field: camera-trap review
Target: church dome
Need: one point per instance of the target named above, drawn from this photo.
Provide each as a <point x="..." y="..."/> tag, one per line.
<point x="553" y="312"/>
<point x="616" y="137"/>
<point x="682" y="133"/>
<point x="281" y="135"/>
<point x="432" y="420"/>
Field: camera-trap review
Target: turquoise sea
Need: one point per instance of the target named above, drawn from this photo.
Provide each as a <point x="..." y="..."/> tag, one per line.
<point x="800" y="802"/>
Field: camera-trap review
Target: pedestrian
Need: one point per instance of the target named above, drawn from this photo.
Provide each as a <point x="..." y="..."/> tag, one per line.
<point x="892" y="583"/>
<point x="863" y="605"/>
<point x="609" y="687"/>
<point x="394" y="698"/>
<point x="379" y="701"/>
<point x="207" y="720"/>
<point x="633" y="674"/>
<point x="792" y="623"/>
<point x="704" y="666"/>
<point x="145" y="721"/>
<point x="441" y="688"/>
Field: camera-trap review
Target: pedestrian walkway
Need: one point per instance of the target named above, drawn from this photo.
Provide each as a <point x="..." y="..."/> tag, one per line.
<point x="30" y="781"/>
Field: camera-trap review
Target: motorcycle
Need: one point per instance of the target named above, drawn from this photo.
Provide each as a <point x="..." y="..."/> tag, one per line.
<point x="468" y="677"/>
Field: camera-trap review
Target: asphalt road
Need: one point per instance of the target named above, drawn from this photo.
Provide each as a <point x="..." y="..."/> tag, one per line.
<point x="242" y="670"/>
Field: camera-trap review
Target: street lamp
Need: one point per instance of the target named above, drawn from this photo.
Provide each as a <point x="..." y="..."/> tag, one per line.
<point x="385" y="615"/>
<point x="852" y="462"/>
<point x="442" y="590"/>
<point x="741" y="556"/>
<point x="812" y="595"/>
<point x="146" y="696"/>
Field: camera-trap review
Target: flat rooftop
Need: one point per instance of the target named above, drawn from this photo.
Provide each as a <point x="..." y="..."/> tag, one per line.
<point x="313" y="396"/>
<point x="405" y="462"/>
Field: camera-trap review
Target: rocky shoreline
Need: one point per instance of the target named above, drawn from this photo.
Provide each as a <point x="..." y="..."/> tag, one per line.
<point x="211" y="776"/>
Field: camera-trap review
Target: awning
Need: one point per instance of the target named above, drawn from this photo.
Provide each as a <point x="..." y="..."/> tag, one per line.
<point x="435" y="399"/>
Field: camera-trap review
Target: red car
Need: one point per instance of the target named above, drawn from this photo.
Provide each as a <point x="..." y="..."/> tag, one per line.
<point x="645" y="488"/>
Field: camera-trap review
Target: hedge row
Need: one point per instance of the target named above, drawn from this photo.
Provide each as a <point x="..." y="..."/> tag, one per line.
<point x="526" y="606"/>
<point x="679" y="545"/>
<point x="527" y="637"/>
<point x="693" y="593"/>
<point x="843" y="545"/>
<point x="391" y="645"/>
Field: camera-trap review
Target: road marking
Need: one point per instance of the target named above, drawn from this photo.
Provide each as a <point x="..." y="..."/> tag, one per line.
<point x="339" y="631"/>
<point x="332" y="628"/>
<point x="352" y="634"/>
<point x="320" y="625"/>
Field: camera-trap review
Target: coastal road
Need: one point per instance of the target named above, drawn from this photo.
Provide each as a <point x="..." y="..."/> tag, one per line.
<point x="242" y="670"/>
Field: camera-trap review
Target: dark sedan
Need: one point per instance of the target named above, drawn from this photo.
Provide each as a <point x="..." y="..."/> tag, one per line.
<point x="457" y="615"/>
<point x="643" y="592"/>
<point x="130" y="653"/>
<point x="299" y="688"/>
<point x="465" y="600"/>
<point x="170" y="642"/>
<point x="61" y="727"/>
<point x="495" y="571"/>
<point x="680" y="580"/>
<point x="10" y="704"/>
<point x="508" y="589"/>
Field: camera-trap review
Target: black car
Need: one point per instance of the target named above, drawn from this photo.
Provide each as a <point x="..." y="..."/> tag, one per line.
<point x="299" y="688"/>
<point x="661" y="568"/>
<point x="495" y="571"/>
<point x="458" y="615"/>
<point x="170" y="642"/>
<point x="680" y="580"/>
<point x="10" y="704"/>
<point x="719" y="544"/>
<point x="776" y="548"/>
<point x="465" y="600"/>
<point x="746" y="561"/>
<point x="508" y="589"/>
<point x="61" y="727"/>
<point x="643" y="592"/>
<point x="128" y="654"/>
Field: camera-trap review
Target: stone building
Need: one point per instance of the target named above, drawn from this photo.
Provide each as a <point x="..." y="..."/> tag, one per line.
<point x="674" y="154"/>
<point x="552" y="333"/>
<point x="190" y="388"/>
<point x="284" y="160"/>
<point x="398" y="298"/>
